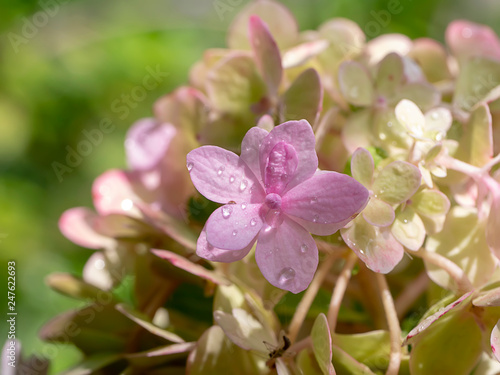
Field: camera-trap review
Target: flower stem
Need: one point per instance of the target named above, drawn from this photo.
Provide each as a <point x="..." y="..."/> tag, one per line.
<point x="307" y="300"/>
<point x="455" y="272"/>
<point x="410" y="294"/>
<point x="300" y="345"/>
<point x="393" y="323"/>
<point x="339" y="290"/>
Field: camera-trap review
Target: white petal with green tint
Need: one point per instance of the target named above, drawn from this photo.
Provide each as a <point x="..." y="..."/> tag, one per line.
<point x="412" y="117"/>
<point x="430" y="203"/>
<point x="409" y="229"/>
<point x="378" y="213"/>
<point x="322" y="344"/>
<point x="356" y="84"/>
<point x="463" y="241"/>
<point x="437" y="123"/>
<point x="397" y="182"/>
<point x="362" y="167"/>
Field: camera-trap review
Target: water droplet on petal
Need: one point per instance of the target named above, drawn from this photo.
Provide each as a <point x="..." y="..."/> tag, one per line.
<point x="226" y="211"/>
<point x="243" y="206"/>
<point x="235" y="232"/>
<point x="383" y="136"/>
<point x="435" y="115"/>
<point x="315" y="218"/>
<point x="253" y="222"/>
<point x="220" y="170"/>
<point x="243" y="185"/>
<point x="304" y="248"/>
<point x="314" y="200"/>
<point x="405" y="221"/>
<point x="189" y="166"/>
<point x="231" y="179"/>
<point x="99" y="264"/>
<point x="286" y="275"/>
<point x="389" y="124"/>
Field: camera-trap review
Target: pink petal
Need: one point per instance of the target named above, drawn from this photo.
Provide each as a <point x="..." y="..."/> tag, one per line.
<point x="146" y="143"/>
<point x="206" y="251"/>
<point x="267" y="54"/>
<point x="326" y="198"/>
<point x="113" y="194"/>
<point x="287" y="256"/>
<point x="76" y="224"/>
<point x="222" y="176"/>
<point x="300" y="135"/>
<point x="250" y="149"/>
<point x="375" y="246"/>
<point x="320" y="229"/>
<point x="495" y="341"/>
<point x="234" y="226"/>
<point x="467" y="39"/>
<point x="280" y="168"/>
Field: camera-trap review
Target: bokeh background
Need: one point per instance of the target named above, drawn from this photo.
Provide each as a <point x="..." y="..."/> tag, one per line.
<point x="75" y="66"/>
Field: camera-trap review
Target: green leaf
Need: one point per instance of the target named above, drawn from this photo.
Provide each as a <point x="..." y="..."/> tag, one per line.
<point x="371" y="348"/>
<point x="440" y="350"/>
<point x="408" y="229"/>
<point x="397" y="182"/>
<point x="322" y="344"/>
<point x="356" y="84"/>
<point x="345" y="364"/>
<point x="303" y="98"/>
<point x="362" y="167"/>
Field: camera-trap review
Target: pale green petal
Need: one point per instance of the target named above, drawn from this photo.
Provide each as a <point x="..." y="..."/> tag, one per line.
<point x="322" y="344"/>
<point x="397" y="182"/>
<point x="409" y="229"/>
<point x="356" y="84"/>
<point x="430" y="203"/>
<point x="378" y="213"/>
<point x="362" y="167"/>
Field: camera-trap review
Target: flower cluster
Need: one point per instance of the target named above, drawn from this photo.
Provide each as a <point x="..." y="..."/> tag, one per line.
<point x="377" y="148"/>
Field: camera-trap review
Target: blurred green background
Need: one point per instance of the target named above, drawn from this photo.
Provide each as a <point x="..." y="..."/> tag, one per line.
<point x="65" y="66"/>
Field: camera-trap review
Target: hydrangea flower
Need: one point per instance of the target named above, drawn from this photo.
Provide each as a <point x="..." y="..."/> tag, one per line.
<point x="272" y="194"/>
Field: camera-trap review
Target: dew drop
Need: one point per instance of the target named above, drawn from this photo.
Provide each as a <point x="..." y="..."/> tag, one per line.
<point x="235" y="232"/>
<point x="227" y="211"/>
<point x="231" y="179"/>
<point x="314" y="200"/>
<point x="405" y="221"/>
<point x="434" y="115"/>
<point x="243" y="206"/>
<point x="253" y="222"/>
<point x="383" y="136"/>
<point x="286" y="275"/>
<point x="315" y="218"/>
<point x="189" y="166"/>
<point x="243" y="185"/>
<point x="220" y="170"/>
<point x="99" y="264"/>
<point x="389" y="124"/>
<point x="304" y="248"/>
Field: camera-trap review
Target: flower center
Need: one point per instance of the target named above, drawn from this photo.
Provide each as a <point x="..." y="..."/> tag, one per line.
<point x="273" y="201"/>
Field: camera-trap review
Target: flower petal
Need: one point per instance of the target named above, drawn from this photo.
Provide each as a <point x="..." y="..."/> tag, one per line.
<point x="397" y="182"/>
<point x="328" y="197"/>
<point x="362" y="166"/>
<point x="77" y="225"/>
<point x="234" y="226"/>
<point x="146" y="143"/>
<point x="356" y="84"/>
<point x="468" y="39"/>
<point x="378" y="213"/>
<point x="112" y="193"/>
<point x="267" y="54"/>
<point x="287" y="256"/>
<point x="280" y="169"/>
<point x="375" y="246"/>
<point x="222" y="176"/>
<point x="206" y="251"/>
<point x="250" y="149"/>
<point x="495" y="341"/>
<point x="300" y="135"/>
<point x="409" y="229"/>
<point x="411" y="116"/>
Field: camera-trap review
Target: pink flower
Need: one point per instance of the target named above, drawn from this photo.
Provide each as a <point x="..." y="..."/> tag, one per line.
<point x="272" y="194"/>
